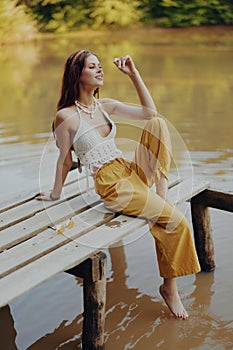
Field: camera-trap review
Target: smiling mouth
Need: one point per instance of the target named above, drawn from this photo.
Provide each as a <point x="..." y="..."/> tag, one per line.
<point x="99" y="77"/>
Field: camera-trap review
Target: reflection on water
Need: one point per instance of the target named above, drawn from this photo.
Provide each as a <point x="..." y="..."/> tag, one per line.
<point x="191" y="83"/>
<point x="189" y="73"/>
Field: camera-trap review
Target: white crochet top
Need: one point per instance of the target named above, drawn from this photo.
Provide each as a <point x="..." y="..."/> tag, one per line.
<point x="92" y="149"/>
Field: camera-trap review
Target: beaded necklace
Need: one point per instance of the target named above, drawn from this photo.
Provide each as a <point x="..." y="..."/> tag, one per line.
<point x="90" y="110"/>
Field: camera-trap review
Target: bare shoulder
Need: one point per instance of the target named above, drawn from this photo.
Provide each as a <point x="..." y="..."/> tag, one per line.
<point x="65" y="115"/>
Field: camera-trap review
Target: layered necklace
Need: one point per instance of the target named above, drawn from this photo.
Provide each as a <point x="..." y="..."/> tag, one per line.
<point x="90" y="110"/>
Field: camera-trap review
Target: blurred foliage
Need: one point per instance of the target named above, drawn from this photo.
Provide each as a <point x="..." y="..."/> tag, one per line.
<point x="63" y="15"/>
<point x="112" y="13"/>
<point x="18" y="17"/>
<point x="15" y="24"/>
<point x="59" y="15"/>
<point x="182" y="13"/>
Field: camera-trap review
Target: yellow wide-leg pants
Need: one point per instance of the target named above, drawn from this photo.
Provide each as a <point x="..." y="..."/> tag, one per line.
<point x="125" y="187"/>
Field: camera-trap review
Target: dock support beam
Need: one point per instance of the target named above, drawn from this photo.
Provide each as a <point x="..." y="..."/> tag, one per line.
<point x="203" y="236"/>
<point x="93" y="272"/>
<point x="201" y="223"/>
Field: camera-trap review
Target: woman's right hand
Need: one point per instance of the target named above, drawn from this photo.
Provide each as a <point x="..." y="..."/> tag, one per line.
<point x="125" y="65"/>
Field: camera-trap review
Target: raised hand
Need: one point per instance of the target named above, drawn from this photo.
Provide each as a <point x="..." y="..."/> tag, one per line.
<point x="125" y="65"/>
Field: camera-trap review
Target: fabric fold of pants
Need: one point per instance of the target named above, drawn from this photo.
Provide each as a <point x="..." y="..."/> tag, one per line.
<point x="125" y="187"/>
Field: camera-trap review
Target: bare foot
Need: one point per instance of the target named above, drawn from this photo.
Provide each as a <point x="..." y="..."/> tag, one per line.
<point x="173" y="302"/>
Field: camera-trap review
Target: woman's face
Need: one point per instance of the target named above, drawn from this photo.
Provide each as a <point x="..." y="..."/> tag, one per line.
<point x="92" y="73"/>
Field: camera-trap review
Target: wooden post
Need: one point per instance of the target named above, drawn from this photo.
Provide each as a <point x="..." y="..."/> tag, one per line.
<point x="202" y="235"/>
<point x="8" y="332"/>
<point x="93" y="271"/>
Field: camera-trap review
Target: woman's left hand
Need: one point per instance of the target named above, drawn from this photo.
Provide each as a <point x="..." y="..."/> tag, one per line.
<point x="125" y="65"/>
<point x="43" y="196"/>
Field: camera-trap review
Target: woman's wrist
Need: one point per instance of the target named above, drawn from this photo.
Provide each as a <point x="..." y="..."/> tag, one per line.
<point x="134" y="74"/>
<point x="53" y="198"/>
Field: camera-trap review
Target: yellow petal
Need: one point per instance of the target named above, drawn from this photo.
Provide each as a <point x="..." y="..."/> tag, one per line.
<point x="70" y="224"/>
<point x="60" y="229"/>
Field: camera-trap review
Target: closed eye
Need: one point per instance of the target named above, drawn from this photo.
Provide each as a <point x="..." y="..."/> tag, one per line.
<point x="94" y="66"/>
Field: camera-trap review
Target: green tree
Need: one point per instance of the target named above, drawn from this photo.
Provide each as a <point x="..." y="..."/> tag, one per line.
<point x="59" y="15"/>
<point x="181" y="13"/>
<point x="15" y="25"/>
<point x="64" y="15"/>
<point x="115" y="13"/>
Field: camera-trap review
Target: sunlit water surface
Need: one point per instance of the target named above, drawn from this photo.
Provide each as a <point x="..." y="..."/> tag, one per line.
<point x="190" y="76"/>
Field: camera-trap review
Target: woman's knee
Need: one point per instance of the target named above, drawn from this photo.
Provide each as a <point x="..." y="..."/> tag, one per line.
<point x="157" y="129"/>
<point x="156" y="122"/>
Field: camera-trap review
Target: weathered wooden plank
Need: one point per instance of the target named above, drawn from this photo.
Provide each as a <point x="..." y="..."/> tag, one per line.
<point x="185" y="190"/>
<point x="31" y="208"/>
<point x="173" y="181"/>
<point x="73" y="177"/>
<point x="65" y="257"/>
<point x="48" y="240"/>
<point x="215" y="199"/>
<point x="38" y="221"/>
<point x="94" y="240"/>
<point x="111" y="232"/>
<point x="53" y="215"/>
<point x="28" y="208"/>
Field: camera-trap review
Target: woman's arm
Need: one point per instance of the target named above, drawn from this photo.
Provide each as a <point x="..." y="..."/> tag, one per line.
<point x="147" y="109"/>
<point x="64" y="161"/>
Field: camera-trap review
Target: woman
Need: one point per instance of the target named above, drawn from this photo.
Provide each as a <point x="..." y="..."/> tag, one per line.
<point x="82" y="124"/>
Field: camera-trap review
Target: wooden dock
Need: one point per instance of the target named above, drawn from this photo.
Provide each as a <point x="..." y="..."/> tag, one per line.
<point x="41" y="239"/>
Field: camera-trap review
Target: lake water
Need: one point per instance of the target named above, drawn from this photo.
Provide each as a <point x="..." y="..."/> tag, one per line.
<point x="190" y="76"/>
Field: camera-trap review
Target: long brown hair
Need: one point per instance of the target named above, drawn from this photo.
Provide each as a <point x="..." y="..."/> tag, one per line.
<point x="70" y="82"/>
